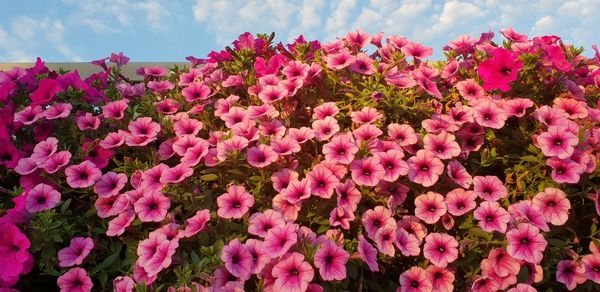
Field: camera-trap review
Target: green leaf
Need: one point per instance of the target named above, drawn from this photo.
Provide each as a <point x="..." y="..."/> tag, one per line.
<point x="104" y="264"/>
<point x="209" y="177"/>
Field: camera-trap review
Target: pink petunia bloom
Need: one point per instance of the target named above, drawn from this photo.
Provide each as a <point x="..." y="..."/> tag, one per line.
<point x="430" y="207"/>
<point x="328" y="109"/>
<point x="196" y="91"/>
<point x="341" y="216"/>
<point x="367" y="133"/>
<point x="393" y="164"/>
<point x="340" y="60"/>
<point x="196" y="223"/>
<point x="489" y="188"/>
<point x="176" y="174"/>
<point x="367" y="171"/>
<point x="88" y="121"/>
<point x="404" y="134"/>
<point x="416" y="50"/>
<point x="458" y="173"/>
<point x="331" y="261"/>
<point x="58" y="111"/>
<point x="385" y="238"/>
<point x="341" y="149"/>
<point x="76" y="252"/>
<point x="285" y="146"/>
<point x="374" y="219"/>
<point x="415" y="280"/>
<point x="234" y="203"/>
<point x="565" y="170"/>
<point x="441" y="279"/>
<point x="570" y="273"/>
<point x="187" y="126"/>
<point x="292" y="273"/>
<point x="460" y="201"/>
<point x="144" y="127"/>
<point x="424" y="168"/>
<point x="492" y="217"/>
<point x="322" y="182"/>
<point x="82" y="175"/>
<point x="440" y="249"/>
<point x="156" y="252"/>
<point x="29" y="115"/>
<point x="324" y="129"/>
<point x="259" y="256"/>
<point x="115" y="109"/>
<point x="553" y="203"/>
<point x="113" y="139"/>
<point x="152" y="207"/>
<point x="56" y="161"/>
<point x="363" y="64"/>
<point x="280" y="239"/>
<point x="261" y="156"/>
<point x="296" y="191"/>
<point x="273" y="93"/>
<point x="301" y="135"/>
<point x="502" y="263"/>
<point x="407" y="243"/>
<point x="110" y="184"/>
<point x="368" y="253"/>
<point x="526" y="211"/>
<point x="261" y="222"/>
<point x="14" y="253"/>
<point x="516" y="107"/>
<point x="442" y="145"/>
<point x="485" y="284"/>
<point x="489" y="114"/>
<point x="41" y="197"/>
<point x="151" y="177"/>
<point x="117" y="225"/>
<point x="44" y="149"/>
<point x="526" y="243"/>
<point x="237" y="259"/>
<point x="123" y="284"/>
<point x="470" y="90"/>
<point x="348" y="195"/>
<point x="75" y="280"/>
<point x="557" y="142"/>
<point x="497" y="72"/>
<point x="591" y="266"/>
<point x="281" y="179"/>
<point x="366" y="115"/>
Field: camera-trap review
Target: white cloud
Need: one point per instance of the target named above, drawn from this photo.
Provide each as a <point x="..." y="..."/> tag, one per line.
<point x="545" y="25"/>
<point x="29" y="37"/>
<point x="455" y="16"/>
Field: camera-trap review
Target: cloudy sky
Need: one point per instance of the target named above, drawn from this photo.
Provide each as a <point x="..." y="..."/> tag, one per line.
<point x="169" y="30"/>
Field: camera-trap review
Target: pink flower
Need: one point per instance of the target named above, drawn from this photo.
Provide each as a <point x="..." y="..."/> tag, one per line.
<point x="529" y="213"/>
<point x="151" y="177"/>
<point x="553" y="203"/>
<point x="272" y="93"/>
<point x="424" y="168"/>
<point x="557" y="142"/>
<point x="234" y="203"/>
<point x="492" y="217"/>
<point x="416" y="50"/>
<point x="497" y="72"/>
<point x="155" y="253"/>
<point x="385" y="238"/>
<point x="117" y="225"/>
<point x="281" y="179"/>
<point x="325" y="128"/>
<point x="259" y="257"/>
<point x="517" y="106"/>
<point x="237" y="259"/>
<point x="526" y="243"/>
<point x="115" y="109"/>
<point x="113" y="139"/>
<point x="296" y="191"/>
<point x="502" y="263"/>
<point x="565" y="170"/>
<point x="393" y="164"/>
<point x="88" y="121"/>
<point x="75" y="280"/>
<point x="82" y="175"/>
<point x="340" y="60"/>
<point x="341" y="216"/>
<point x="430" y="207"/>
<point x="442" y="145"/>
<point x="489" y="114"/>
<point x="441" y="279"/>
<point x="363" y="64"/>
<point x="440" y="249"/>
<point x="341" y="149"/>
<point x="407" y="243"/>
<point x="78" y="249"/>
<point x="261" y="156"/>
<point x="196" y="91"/>
<point x="56" y="161"/>
<point x="374" y="219"/>
<point x="348" y="195"/>
<point x="459" y="202"/>
<point x="58" y="111"/>
<point x="322" y="182"/>
<point x="123" y="284"/>
<point x="404" y="134"/>
<point x="44" y="149"/>
<point x="368" y="253"/>
<point x="331" y="261"/>
<point x="13" y="251"/>
<point x="591" y="266"/>
<point x="40" y="198"/>
<point x="152" y="207"/>
<point x="415" y="280"/>
<point x="328" y="109"/>
<point x="29" y="115"/>
<point x="144" y="127"/>
<point x="196" y="223"/>
<point x="110" y="184"/>
<point x="470" y="90"/>
<point x="489" y="188"/>
<point x="292" y="274"/>
<point x="367" y="171"/>
<point x="280" y="239"/>
<point x="176" y="174"/>
<point x="261" y="223"/>
<point x="570" y="273"/>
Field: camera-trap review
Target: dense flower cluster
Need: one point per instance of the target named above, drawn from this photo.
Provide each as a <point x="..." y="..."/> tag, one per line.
<point x="354" y="164"/>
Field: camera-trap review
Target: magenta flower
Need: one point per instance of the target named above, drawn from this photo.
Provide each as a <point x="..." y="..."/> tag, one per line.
<point x="57" y="111"/>
<point x="88" y="121"/>
<point x="280" y="239"/>
<point x="29" y="115"/>
<point x="176" y="174"/>
<point x="441" y="279"/>
<point x="340" y="60"/>
<point x="366" y="115"/>
<point x="459" y="201"/>
<point x="196" y="223"/>
<point x="272" y="93"/>
<point x="328" y="109"/>
<point x="368" y="253"/>
<point x="117" y="225"/>
<point x="516" y="107"/>
<point x="414" y="280"/>
<point x="56" y="161"/>
<point x="113" y="139"/>
<point x="591" y="266"/>
<point x="440" y="249"/>
<point x="570" y="273"/>
<point x="44" y="149"/>
<point x="115" y="109"/>
<point x="281" y="179"/>
<point x="497" y="72"/>
<point x="374" y="219"/>
<point x="470" y="90"/>
<point x="75" y="280"/>
<point x="261" y="222"/>
<point x="424" y="168"/>
<point x="489" y="114"/>
<point x="367" y="171"/>
<point x="261" y="156"/>
<point x="325" y="128"/>
<point x="553" y="203"/>
<point x="285" y="146"/>
<point x="110" y="184"/>
<point x="557" y="142"/>
<point x="292" y="274"/>
<point x="430" y="207"/>
<point x="259" y="257"/>
<point x="404" y="134"/>
<point x="348" y="195"/>
<point x="196" y="91"/>
<point x="416" y="50"/>
<point x="502" y="263"/>
<point x="526" y="211"/>
<point x="565" y="170"/>
<point x="237" y="259"/>
<point x="393" y="164"/>
<point x="234" y="203"/>
<point x="322" y="182"/>
<point x="143" y="127"/>
<point x="82" y="175"/>
<point x="341" y="149"/>
<point x="526" y="243"/>
<point x="155" y="253"/>
<point x="341" y="216"/>
<point x="492" y="217"/>
<point x="331" y="261"/>
<point x="296" y="191"/>
<point x="385" y="238"/>
<point x="152" y="176"/>
<point x="363" y="64"/>
<point x="489" y="188"/>
<point x="442" y="145"/>
<point x="123" y="284"/>
<point x="407" y="243"/>
<point x="40" y="198"/>
<point x="152" y="206"/>
<point x="14" y="253"/>
<point x="75" y="253"/>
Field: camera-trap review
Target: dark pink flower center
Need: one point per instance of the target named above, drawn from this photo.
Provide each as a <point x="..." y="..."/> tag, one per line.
<point x="41" y="200"/>
<point x="294" y="272"/>
<point x="557" y="142"/>
<point x="551" y="204"/>
<point x="441" y="249"/>
<point x="524" y="240"/>
<point x="414" y="284"/>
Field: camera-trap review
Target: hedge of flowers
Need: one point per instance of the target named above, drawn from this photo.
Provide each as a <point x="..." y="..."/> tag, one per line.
<point x="350" y="165"/>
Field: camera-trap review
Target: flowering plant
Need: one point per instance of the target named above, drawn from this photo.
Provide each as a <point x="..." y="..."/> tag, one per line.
<point x="355" y="164"/>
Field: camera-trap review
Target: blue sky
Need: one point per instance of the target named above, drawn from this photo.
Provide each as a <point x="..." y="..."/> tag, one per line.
<point x="170" y="30"/>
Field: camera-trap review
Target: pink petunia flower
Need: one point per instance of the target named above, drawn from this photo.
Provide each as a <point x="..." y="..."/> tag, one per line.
<point x="384" y="239"/>
<point x="82" y="175"/>
<point x="415" y="280"/>
<point x="261" y="222"/>
<point x="363" y="64"/>
<point x="374" y="219"/>
<point x="75" y="280"/>
<point x="407" y="243"/>
<point x="565" y="170"/>
<point x="123" y="284"/>
<point x="331" y="261"/>
<point x="152" y="206"/>
<point x="328" y="109"/>
<point x="393" y="164"/>
<point x="557" y="142"/>
<point x="460" y="201"/>
<point x="115" y="109"/>
<point x="259" y="256"/>
<point x="56" y="161"/>
<point x="296" y="191"/>
<point x="324" y="129"/>
<point x="591" y="266"/>
<point x="347" y="195"/>
<point x="40" y="198"/>
<point x="367" y="171"/>
<point x="110" y="184"/>
<point x="489" y="188"/>
<point x="58" y="111"/>
<point x="368" y="253"/>
<point x="76" y="252"/>
<point x="292" y="273"/>
<point x="196" y="223"/>
<point x="88" y="121"/>
<point x="234" y="203"/>
<point x="440" y="249"/>
<point x="341" y="216"/>
<point x="237" y="259"/>
<point x="526" y="243"/>
<point x="341" y="149"/>
<point x="261" y="156"/>
<point x="340" y="60"/>
<point x="280" y="239"/>
<point x="424" y="168"/>
<point x="492" y="217"/>
<point x="502" y="263"/>
<point x="113" y="139"/>
<point x="489" y="114"/>
<point x="441" y="279"/>
<point x="176" y="174"/>
<point x="430" y="207"/>
<point x="196" y="91"/>
<point x="458" y="173"/>
<point x="281" y="179"/>
<point x="44" y="149"/>
<point x="553" y="203"/>
<point x="570" y="273"/>
<point x="404" y="134"/>
<point x="470" y="90"/>
<point x="499" y="70"/>
<point x="442" y="145"/>
<point x="117" y="225"/>
<point x="322" y="182"/>
<point x="516" y="107"/>
<point x="14" y="254"/>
